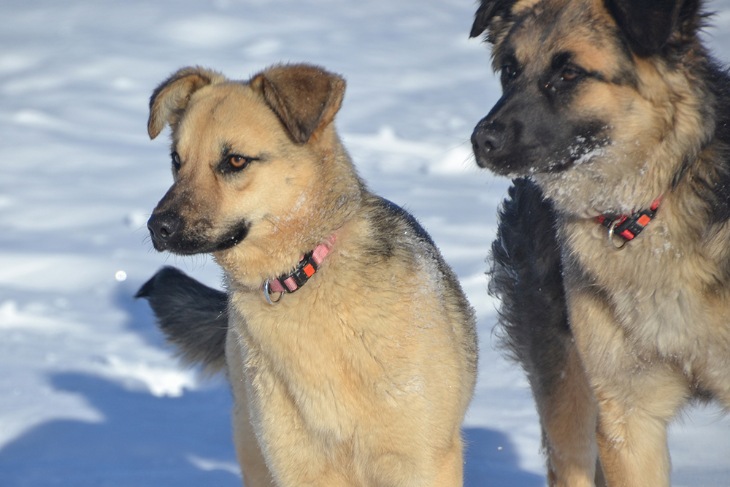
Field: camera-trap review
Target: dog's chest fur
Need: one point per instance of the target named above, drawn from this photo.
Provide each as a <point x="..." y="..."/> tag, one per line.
<point x="294" y="365"/>
<point x="662" y="291"/>
<point x="351" y="343"/>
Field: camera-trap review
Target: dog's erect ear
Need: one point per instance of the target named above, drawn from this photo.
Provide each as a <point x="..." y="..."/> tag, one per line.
<point x="170" y="99"/>
<point x="649" y="25"/>
<point x="304" y="97"/>
<point x="487" y="11"/>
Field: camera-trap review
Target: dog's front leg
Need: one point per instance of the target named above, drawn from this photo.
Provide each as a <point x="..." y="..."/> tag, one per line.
<point x="568" y="415"/>
<point x="636" y="395"/>
<point x="250" y="457"/>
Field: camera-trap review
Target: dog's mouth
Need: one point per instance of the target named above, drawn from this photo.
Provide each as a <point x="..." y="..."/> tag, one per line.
<point x="232" y="238"/>
<point x="170" y="233"/>
<point x="584" y="150"/>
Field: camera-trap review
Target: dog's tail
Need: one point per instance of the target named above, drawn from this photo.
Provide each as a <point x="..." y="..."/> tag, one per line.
<point x="193" y="317"/>
<point x="526" y="275"/>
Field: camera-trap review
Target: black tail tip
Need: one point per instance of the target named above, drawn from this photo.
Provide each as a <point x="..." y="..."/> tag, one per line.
<point x="164" y="274"/>
<point x="146" y="289"/>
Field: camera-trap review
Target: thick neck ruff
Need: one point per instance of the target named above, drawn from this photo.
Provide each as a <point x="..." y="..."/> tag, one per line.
<point x="307" y="267"/>
<point x="628" y="227"/>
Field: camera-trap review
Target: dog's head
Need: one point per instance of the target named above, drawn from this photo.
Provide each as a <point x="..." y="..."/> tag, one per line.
<point x="593" y="90"/>
<point x="242" y="152"/>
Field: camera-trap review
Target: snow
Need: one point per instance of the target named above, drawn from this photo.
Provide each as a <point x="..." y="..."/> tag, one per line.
<point x="89" y="393"/>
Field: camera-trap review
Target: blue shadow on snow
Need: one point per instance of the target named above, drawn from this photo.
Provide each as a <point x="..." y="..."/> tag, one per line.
<point x="491" y="461"/>
<point x="142" y="441"/>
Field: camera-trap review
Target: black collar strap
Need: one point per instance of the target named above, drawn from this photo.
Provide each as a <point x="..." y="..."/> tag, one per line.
<point x="628" y="227"/>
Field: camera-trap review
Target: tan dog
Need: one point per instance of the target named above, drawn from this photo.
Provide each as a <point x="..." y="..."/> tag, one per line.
<point x="363" y="375"/>
<point x="612" y="258"/>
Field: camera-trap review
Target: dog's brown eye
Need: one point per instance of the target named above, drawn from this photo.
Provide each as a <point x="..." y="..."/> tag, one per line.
<point x="237" y="162"/>
<point x="570" y="74"/>
<point x="233" y="163"/>
<point x="565" y="78"/>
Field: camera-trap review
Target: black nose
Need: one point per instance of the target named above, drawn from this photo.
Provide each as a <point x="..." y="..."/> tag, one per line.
<point x="163" y="228"/>
<point x="488" y="137"/>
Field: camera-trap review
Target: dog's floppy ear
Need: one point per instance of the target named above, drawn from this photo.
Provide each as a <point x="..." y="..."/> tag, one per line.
<point x="170" y="99"/>
<point x="649" y="25"/>
<point x="304" y="97"/>
<point x="487" y="11"/>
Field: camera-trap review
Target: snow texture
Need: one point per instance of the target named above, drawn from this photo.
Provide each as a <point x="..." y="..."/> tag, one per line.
<point x="89" y="393"/>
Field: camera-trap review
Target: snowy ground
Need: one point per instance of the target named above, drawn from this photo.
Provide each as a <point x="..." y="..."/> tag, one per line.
<point x="89" y="393"/>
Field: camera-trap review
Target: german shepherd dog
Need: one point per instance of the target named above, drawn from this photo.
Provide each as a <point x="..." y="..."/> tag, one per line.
<point x="612" y="258"/>
<point x="348" y="342"/>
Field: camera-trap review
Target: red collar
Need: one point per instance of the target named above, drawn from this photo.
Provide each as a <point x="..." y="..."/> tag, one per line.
<point x="629" y="226"/>
<point x="307" y="267"/>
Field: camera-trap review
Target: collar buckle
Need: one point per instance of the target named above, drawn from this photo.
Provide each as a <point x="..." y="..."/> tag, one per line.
<point x="305" y="269"/>
<point x="628" y="227"/>
<point x="267" y="293"/>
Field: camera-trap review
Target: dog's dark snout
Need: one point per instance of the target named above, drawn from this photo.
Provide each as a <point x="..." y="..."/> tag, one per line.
<point x="163" y="227"/>
<point x="488" y="137"/>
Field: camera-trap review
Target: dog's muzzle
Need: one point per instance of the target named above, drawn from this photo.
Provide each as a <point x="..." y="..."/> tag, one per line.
<point x="164" y="229"/>
<point x="170" y="232"/>
<point x="487" y="140"/>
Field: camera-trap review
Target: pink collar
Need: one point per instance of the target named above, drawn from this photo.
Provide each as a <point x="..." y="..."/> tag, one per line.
<point x="307" y="267"/>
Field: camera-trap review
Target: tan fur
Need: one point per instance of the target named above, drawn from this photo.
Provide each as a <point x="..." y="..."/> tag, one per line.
<point x="362" y="377"/>
<point x="569" y="416"/>
<point x="651" y="322"/>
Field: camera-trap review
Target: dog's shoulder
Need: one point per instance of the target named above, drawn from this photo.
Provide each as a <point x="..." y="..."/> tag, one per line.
<point x="397" y="237"/>
<point x="392" y="214"/>
<point x="394" y="234"/>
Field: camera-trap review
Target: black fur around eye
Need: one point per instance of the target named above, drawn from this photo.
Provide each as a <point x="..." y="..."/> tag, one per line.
<point x="232" y="163"/>
<point x="508" y="73"/>
<point x="176" y="163"/>
<point x="564" y="73"/>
